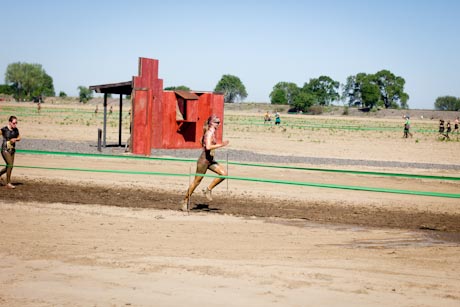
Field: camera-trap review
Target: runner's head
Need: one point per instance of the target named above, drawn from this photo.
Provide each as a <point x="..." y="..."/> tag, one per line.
<point x="213" y="120"/>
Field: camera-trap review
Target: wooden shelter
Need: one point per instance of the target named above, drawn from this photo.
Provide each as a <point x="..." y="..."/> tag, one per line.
<point x="162" y="119"/>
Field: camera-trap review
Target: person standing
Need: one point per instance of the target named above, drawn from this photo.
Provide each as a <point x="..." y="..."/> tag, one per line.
<point x="10" y="135"/>
<point x="441" y="126"/>
<point x="448" y="129"/>
<point x="206" y="161"/>
<point x="267" y="117"/>
<point x="456" y="125"/>
<point x="407" y="127"/>
<point x="277" y="119"/>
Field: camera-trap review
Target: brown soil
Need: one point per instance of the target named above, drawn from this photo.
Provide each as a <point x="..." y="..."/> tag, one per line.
<point x="71" y="238"/>
<point x="319" y="211"/>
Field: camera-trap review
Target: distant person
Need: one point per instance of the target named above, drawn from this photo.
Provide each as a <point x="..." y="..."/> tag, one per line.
<point x="39" y="106"/>
<point x="10" y="135"/>
<point x="97" y="109"/>
<point x="407" y="127"/>
<point x="206" y="161"/>
<point x="442" y="130"/>
<point x="448" y="129"/>
<point x="267" y="117"/>
<point x="441" y="126"/>
<point x="456" y="125"/>
<point x="111" y="110"/>
<point x="277" y="119"/>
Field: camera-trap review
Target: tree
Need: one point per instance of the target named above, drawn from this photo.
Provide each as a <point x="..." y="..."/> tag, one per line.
<point x="361" y="91"/>
<point x="45" y="87"/>
<point x="85" y="94"/>
<point x="447" y="103"/>
<point x="284" y="93"/>
<point x="62" y="94"/>
<point x="380" y="89"/>
<point x="352" y="91"/>
<point x="6" y="89"/>
<point x="303" y="101"/>
<point x="177" y="88"/>
<point x="278" y="96"/>
<point x="28" y="80"/>
<point x="391" y="89"/>
<point x="232" y="88"/>
<point x="324" y="89"/>
<point x="370" y="92"/>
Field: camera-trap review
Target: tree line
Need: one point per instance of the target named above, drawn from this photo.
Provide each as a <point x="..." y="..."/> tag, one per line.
<point x="383" y="89"/>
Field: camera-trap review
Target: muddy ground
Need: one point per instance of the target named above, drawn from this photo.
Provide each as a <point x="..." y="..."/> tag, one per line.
<point x="322" y="212"/>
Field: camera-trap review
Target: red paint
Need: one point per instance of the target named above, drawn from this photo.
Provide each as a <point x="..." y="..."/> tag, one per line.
<point x="154" y="113"/>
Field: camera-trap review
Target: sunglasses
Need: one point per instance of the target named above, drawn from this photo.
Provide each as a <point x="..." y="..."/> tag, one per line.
<point x="14" y="123"/>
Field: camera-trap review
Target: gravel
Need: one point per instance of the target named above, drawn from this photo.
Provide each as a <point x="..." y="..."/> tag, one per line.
<point x="222" y="155"/>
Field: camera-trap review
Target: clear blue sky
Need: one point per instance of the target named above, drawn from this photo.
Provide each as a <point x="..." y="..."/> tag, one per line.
<point x="261" y="42"/>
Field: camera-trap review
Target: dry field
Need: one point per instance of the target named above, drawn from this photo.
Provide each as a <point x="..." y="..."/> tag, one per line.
<point x="87" y="230"/>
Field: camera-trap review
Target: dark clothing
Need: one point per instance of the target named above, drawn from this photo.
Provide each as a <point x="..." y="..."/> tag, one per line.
<point x="9" y="161"/>
<point x="207" y="156"/>
<point x="8" y="135"/>
<point x="8" y="150"/>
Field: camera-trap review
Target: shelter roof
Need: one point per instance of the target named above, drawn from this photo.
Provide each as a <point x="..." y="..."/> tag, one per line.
<point x="187" y="95"/>
<point x="124" y="88"/>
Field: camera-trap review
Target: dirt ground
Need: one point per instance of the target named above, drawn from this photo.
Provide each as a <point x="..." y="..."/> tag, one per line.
<point x="77" y="238"/>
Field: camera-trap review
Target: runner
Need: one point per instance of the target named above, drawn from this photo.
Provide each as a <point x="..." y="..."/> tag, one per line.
<point x="206" y="161"/>
<point x="10" y="135"/>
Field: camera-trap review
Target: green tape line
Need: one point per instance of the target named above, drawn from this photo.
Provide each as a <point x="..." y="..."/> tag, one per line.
<point x="102" y="171"/>
<point x="351" y="171"/>
<point x="76" y="154"/>
<point x="242" y="164"/>
<point x="298" y="183"/>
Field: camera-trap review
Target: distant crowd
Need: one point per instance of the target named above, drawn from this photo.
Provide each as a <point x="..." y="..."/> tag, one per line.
<point x="268" y="118"/>
<point x="444" y="130"/>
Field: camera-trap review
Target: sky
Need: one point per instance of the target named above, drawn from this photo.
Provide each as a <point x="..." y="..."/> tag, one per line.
<point x="84" y="43"/>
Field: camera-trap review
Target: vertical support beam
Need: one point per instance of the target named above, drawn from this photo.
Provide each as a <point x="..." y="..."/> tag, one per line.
<point x="99" y="137"/>
<point x="105" y="121"/>
<point x="120" y="120"/>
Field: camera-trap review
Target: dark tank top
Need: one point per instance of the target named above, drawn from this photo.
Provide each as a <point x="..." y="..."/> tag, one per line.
<point x="8" y="135"/>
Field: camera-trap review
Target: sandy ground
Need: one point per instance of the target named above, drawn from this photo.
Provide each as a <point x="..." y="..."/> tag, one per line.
<point x="103" y="239"/>
<point x="64" y="254"/>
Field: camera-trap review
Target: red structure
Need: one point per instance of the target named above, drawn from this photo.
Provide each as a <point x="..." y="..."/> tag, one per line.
<point x="162" y="119"/>
<point x="168" y="119"/>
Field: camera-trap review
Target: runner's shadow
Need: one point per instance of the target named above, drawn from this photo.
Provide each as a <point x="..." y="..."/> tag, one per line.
<point x="204" y="207"/>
